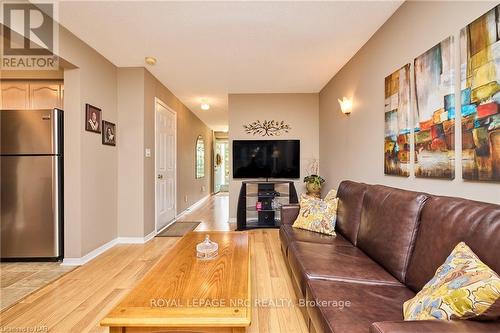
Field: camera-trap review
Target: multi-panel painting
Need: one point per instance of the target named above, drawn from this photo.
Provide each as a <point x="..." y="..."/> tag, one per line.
<point x="480" y="95"/>
<point x="397" y="128"/>
<point x="435" y="112"/>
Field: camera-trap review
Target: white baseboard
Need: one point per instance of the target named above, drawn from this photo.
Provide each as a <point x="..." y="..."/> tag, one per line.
<point x="192" y="207"/>
<point x="103" y="248"/>
<point x="89" y="256"/>
<point x="185" y="211"/>
<point x="136" y="240"/>
<point x="149" y="237"/>
<point x="126" y="240"/>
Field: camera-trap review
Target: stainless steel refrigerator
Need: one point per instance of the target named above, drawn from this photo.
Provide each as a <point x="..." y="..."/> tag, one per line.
<point x="31" y="184"/>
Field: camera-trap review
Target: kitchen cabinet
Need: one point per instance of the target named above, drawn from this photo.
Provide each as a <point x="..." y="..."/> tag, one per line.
<point x="33" y="94"/>
<point x="15" y="95"/>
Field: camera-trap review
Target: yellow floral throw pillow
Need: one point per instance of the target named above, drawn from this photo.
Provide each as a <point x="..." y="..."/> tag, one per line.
<point x="318" y="215"/>
<point x="462" y="288"/>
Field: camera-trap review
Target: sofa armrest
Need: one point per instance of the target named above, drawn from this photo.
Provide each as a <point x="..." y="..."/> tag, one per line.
<point x="289" y="213"/>
<point x="435" y="326"/>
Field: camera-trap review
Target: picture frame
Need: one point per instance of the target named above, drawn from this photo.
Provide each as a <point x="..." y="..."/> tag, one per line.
<point x="93" y="117"/>
<point x="108" y="133"/>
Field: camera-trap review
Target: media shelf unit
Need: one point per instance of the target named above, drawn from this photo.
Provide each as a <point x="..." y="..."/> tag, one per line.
<point x="250" y="215"/>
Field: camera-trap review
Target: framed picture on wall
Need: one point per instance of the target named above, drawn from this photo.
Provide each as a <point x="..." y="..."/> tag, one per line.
<point x="108" y="133"/>
<point x="434" y="133"/>
<point x="92" y="118"/>
<point x="480" y="102"/>
<point x="397" y="123"/>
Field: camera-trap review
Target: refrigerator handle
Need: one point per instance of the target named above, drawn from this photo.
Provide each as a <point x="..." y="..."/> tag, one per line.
<point x="57" y="132"/>
<point x="55" y="201"/>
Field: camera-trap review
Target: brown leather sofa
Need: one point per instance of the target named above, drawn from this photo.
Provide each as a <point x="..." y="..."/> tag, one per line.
<point x="389" y="243"/>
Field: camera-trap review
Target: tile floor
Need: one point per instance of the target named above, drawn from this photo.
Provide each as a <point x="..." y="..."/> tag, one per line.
<point x="19" y="279"/>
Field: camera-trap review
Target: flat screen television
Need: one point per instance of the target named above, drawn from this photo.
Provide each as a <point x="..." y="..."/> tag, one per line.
<point x="266" y="159"/>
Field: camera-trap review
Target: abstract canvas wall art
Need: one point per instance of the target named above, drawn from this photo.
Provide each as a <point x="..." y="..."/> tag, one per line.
<point x="480" y="97"/>
<point x="435" y="112"/>
<point x="397" y="127"/>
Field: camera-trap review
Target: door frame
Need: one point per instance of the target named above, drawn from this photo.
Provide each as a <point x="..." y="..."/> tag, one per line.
<point x="163" y="104"/>
<point x="226" y="140"/>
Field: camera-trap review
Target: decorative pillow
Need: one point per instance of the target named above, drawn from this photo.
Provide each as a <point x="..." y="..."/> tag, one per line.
<point x="462" y="288"/>
<point x="318" y="215"/>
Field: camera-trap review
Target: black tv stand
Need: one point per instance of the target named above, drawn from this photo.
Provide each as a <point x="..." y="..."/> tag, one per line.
<point x="255" y="203"/>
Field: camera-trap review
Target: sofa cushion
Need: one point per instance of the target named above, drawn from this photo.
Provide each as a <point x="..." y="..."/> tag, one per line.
<point x="389" y="223"/>
<point x="350" y="196"/>
<point x="334" y="262"/>
<point x="368" y="304"/>
<point x="318" y="215"/>
<point x="445" y="222"/>
<point x="289" y="234"/>
<point x="462" y="288"/>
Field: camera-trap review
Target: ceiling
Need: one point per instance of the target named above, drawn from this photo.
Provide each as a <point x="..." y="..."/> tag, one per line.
<point x="206" y="50"/>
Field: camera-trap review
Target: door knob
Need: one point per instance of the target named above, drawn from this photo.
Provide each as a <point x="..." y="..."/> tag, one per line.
<point x="160" y="176"/>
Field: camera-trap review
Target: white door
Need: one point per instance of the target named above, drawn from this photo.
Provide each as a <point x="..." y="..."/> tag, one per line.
<point x="165" y="164"/>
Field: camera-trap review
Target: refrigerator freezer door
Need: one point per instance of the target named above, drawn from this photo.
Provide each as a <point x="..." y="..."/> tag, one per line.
<point x="28" y="207"/>
<point x="28" y="132"/>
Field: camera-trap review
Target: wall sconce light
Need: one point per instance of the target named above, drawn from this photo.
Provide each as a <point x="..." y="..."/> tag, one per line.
<point x="345" y="105"/>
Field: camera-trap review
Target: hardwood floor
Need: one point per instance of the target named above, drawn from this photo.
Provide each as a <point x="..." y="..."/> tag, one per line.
<point x="81" y="298"/>
<point x="213" y="214"/>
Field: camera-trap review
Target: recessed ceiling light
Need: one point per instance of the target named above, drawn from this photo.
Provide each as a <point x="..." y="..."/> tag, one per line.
<point x="205" y="106"/>
<point x="150" y="60"/>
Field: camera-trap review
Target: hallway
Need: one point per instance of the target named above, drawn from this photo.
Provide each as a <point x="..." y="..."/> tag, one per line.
<point x="213" y="214"/>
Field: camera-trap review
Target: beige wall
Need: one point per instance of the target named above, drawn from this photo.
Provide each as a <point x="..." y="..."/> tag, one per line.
<point x="221" y="135"/>
<point x="114" y="186"/>
<point x="72" y="166"/>
<point x="352" y="147"/>
<point x="189" y="126"/>
<point x="90" y="167"/>
<point x="109" y="191"/>
<point x="130" y="154"/>
<point x="300" y="111"/>
<point x="137" y="90"/>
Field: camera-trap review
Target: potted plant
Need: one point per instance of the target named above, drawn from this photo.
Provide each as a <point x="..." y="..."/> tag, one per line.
<point x="313" y="180"/>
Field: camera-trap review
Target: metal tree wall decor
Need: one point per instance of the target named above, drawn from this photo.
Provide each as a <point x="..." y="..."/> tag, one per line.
<point x="267" y="128"/>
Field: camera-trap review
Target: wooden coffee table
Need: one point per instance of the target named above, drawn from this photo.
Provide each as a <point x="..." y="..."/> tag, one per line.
<point x="182" y="293"/>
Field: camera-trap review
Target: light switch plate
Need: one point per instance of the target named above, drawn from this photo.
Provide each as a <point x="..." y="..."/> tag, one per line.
<point x="148" y="152"/>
